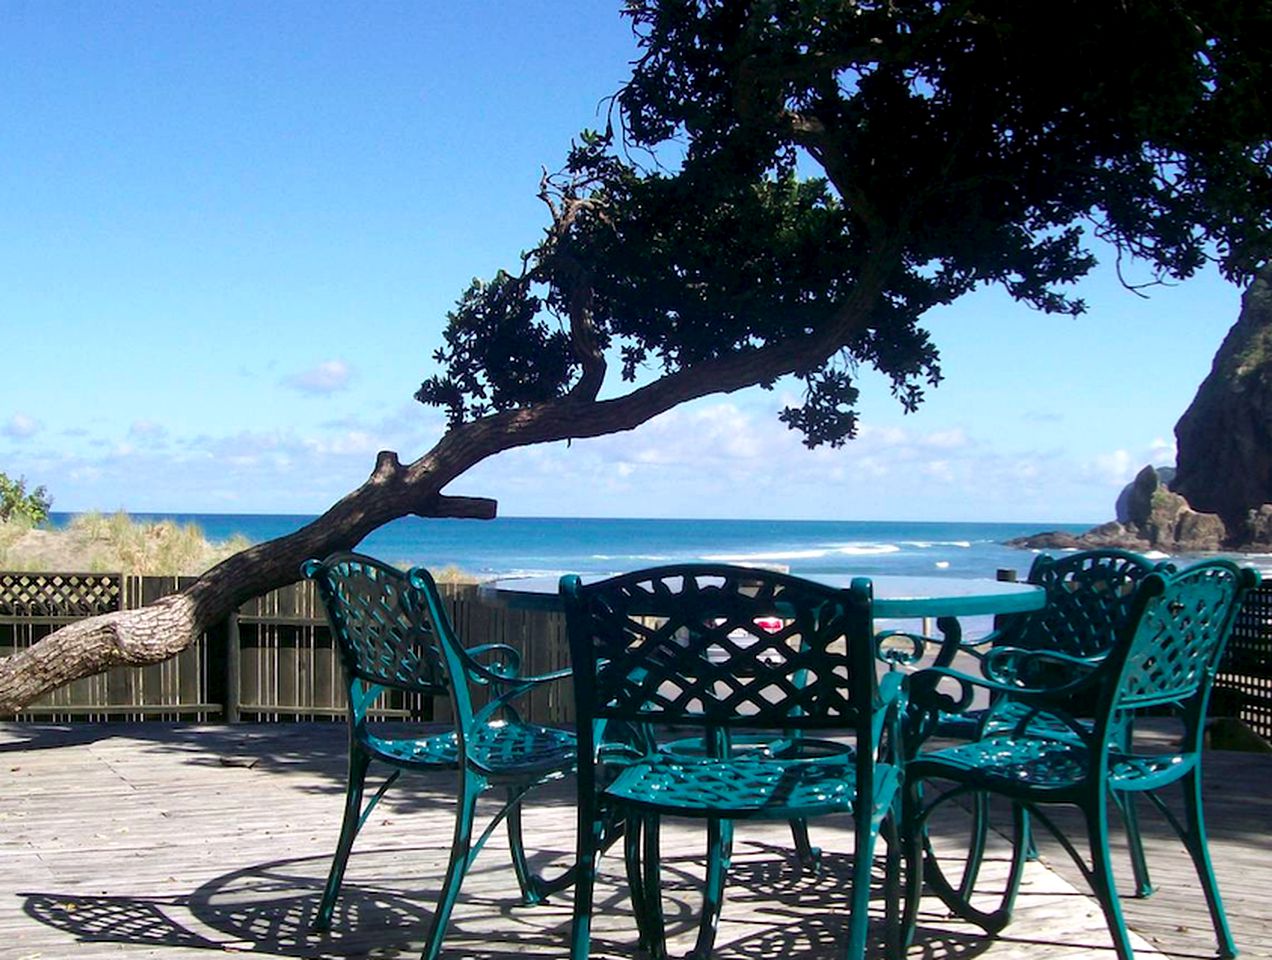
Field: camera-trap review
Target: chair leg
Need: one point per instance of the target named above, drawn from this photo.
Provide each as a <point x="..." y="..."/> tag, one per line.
<point x="1199" y="849"/>
<point x="587" y="849"/>
<point x="960" y="903"/>
<point x="913" y="841"/>
<point x="719" y="857"/>
<point x="460" y="857"/>
<point x="1135" y="842"/>
<point x="358" y="764"/>
<point x="862" y="873"/>
<point x="976" y="846"/>
<point x="894" y="944"/>
<point x="652" y="882"/>
<point x="1102" y="883"/>
<point x="531" y="892"/>
<point x="809" y="857"/>
<point x="642" y="856"/>
<point x="633" y="835"/>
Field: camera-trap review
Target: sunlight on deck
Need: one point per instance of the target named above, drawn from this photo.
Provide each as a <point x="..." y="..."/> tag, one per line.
<point x="169" y="841"/>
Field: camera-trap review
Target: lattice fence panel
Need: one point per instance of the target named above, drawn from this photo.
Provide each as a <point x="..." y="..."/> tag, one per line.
<point x="69" y="595"/>
<point x="1245" y="678"/>
<point x="33" y="605"/>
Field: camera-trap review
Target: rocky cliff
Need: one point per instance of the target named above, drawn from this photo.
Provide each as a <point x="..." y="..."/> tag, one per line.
<point x="1224" y="440"/>
<point x="1150" y="517"/>
<point x="1220" y="494"/>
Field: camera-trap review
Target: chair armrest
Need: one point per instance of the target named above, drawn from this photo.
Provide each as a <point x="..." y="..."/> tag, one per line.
<point x="893" y="700"/>
<point x="507" y="670"/>
<point x="925" y="694"/>
<point x="902" y="648"/>
<point x="899" y="648"/>
<point x="892" y="688"/>
<point x="510" y="690"/>
<point x="506" y="665"/>
<point x="1017" y="666"/>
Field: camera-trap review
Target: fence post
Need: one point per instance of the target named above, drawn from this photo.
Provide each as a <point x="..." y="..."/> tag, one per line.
<point x="233" y="667"/>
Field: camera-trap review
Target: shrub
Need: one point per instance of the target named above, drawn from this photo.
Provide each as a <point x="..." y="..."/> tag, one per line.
<point x="17" y="504"/>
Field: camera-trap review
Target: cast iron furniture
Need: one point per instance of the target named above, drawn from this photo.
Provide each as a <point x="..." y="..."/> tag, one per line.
<point x="1164" y="656"/>
<point x="393" y="632"/>
<point x="1089" y="596"/>
<point x="745" y="665"/>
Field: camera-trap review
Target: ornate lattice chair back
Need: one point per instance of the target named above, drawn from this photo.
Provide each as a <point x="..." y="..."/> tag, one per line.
<point x="1089" y="597"/>
<point x="378" y="623"/>
<point x="722" y="646"/>
<point x="1181" y="624"/>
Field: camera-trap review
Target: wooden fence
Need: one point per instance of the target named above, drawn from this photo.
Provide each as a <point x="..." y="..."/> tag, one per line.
<point x="273" y="660"/>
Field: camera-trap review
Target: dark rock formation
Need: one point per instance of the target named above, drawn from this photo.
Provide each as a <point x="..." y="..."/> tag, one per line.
<point x="1225" y="436"/>
<point x="1150" y="517"/>
<point x="1220" y="494"/>
<point x="1125" y="508"/>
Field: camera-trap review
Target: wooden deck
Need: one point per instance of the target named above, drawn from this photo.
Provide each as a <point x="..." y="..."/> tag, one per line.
<point x="168" y="841"/>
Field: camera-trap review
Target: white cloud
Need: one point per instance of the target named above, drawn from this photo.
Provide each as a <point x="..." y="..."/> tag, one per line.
<point x="1116" y="467"/>
<point x="1121" y="466"/>
<point x="148" y="433"/>
<point x="939" y="470"/>
<point x="705" y="459"/>
<point x="21" y="426"/>
<point x="1162" y="452"/>
<point x="351" y="441"/>
<point x="328" y="377"/>
<point x="946" y="439"/>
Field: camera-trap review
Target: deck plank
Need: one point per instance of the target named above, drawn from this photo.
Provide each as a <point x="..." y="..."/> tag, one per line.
<point x="169" y="841"/>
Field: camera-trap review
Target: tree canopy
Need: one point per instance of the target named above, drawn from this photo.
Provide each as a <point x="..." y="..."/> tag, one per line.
<point x="798" y="182"/>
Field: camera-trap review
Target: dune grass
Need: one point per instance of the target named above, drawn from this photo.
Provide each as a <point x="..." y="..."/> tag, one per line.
<point x="116" y="543"/>
<point x="97" y="543"/>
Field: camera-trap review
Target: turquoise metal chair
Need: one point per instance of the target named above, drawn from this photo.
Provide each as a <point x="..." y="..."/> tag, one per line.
<point x="1036" y="752"/>
<point x="393" y="632"/>
<point x="1089" y="596"/>
<point x="694" y="648"/>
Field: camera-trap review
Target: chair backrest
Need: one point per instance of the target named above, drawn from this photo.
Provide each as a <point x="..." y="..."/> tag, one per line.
<point x="724" y="646"/>
<point x="380" y="624"/>
<point x="1180" y="625"/>
<point x="1089" y="598"/>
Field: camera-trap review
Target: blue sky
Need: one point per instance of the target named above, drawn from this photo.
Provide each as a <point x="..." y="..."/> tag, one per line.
<point x="230" y="233"/>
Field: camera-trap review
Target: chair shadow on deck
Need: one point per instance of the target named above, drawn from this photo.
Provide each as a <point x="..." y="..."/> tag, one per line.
<point x="268" y="907"/>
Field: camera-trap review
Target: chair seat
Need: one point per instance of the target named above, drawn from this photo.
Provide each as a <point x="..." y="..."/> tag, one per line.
<point x="1031" y="762"/>
<point x="523" y="750"/>
<point x="750" y="786"/>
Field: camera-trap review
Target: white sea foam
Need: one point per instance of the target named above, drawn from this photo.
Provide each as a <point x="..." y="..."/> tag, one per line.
<point x="928" y="544"/>
<point x="942" y="564"/>
<point x="769" y="555"/>
<point x="867" y="549"/>
<point x="524" y="572"/>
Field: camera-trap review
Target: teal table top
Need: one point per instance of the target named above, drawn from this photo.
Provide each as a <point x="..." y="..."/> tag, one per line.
<point x="895" y="597"/>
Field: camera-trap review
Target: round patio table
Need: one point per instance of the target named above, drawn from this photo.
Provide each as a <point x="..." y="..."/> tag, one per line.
<point x="944" y="599"/>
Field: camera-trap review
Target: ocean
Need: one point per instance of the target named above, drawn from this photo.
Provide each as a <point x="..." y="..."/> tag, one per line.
<point x="550" y="546"/>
